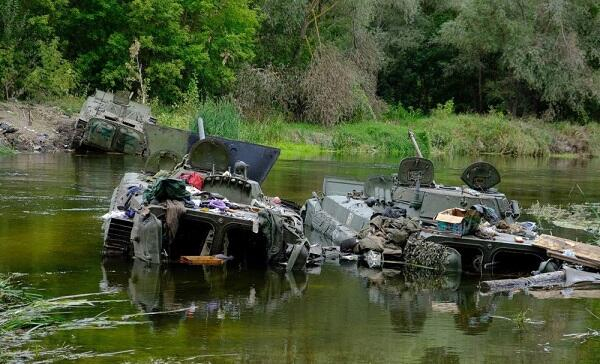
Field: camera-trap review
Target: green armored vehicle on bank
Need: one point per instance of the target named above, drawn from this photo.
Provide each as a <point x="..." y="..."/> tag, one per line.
<point x="111" y="123"/>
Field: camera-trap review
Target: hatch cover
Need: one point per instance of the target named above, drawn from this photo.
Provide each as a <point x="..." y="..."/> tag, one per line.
<point x="209" y="153"/>
<point x="164" y="160"/>
<point x="415" y="169"/>
<point x="481" y="176"/>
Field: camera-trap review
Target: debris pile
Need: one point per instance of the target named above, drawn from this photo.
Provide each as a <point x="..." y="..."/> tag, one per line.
<point x="397" y="241"/>
<point x="482" y="222"/>
<point x="571" y="251"/>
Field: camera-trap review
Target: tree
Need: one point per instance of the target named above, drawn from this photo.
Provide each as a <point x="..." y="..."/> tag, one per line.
<point x="28" y="45"/>
<point x="544" y="50"/>
<point x="52" y="76"/>
<point x="177" y="40"/>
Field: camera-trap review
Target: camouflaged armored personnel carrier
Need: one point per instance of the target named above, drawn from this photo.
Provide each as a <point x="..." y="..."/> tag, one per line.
<point x="207" y="209"/>
<point x="111" y="123"/>
<point x="376" y="212"/>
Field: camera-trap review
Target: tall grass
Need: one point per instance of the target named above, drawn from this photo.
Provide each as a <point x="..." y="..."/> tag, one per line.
<point x="26" y="317"/>
<point x="69" y="104"/>
<point x="221" y="118"/>
<point x="378" y="138"/>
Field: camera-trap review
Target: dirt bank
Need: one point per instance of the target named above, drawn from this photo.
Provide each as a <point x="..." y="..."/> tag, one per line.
<point x="34" y="128"/>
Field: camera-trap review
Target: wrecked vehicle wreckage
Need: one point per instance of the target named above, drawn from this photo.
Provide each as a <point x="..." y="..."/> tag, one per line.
<point x="409" y="219"/>
<point x="111" y="122"/>
<point x="207" y="210"/>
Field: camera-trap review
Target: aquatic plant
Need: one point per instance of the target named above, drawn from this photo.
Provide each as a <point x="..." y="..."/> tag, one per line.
<point x="521" y="319"/>
<point x="584" y="216"/>
<point x="23" y="315"/>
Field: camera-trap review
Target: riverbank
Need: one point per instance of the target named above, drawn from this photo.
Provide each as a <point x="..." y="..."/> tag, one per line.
<point x="441" y="133"/>
<point x="27" y="127"/>
<point x="48" y="127"/>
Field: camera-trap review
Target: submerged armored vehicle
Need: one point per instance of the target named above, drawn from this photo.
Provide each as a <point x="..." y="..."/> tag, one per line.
<point x="447" y="215"/>
<point x="111" y="123"/>
<point x="207" y="209"/>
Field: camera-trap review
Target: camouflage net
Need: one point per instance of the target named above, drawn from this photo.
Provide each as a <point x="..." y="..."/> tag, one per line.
<point x="426" y="253"/>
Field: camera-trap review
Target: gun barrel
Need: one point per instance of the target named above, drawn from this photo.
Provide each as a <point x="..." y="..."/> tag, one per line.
<point x="415" y="144"/>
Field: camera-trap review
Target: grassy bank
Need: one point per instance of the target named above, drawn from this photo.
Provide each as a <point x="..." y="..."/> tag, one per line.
<point x="441" y="133"/>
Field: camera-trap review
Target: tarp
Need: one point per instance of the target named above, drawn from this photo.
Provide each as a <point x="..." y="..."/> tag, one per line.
<point x="166" y="189"/>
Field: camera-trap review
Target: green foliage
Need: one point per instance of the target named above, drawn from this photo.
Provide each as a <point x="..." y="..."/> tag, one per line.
<point x="443" y="110"/>
<point x="323" y="61"/>
<point x="53" y="76"/>
<point x="178" y="40"/>
<point x="4" y="150"/>
<point x="528" y="53"/>
<point x="399" y="113"/>
<point x="30" y="59"/>
<point x="378" y="137"/>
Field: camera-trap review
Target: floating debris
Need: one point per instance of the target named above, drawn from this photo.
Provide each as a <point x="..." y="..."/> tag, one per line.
<point x="583" y="336"/>
<point x="585" y="217"/>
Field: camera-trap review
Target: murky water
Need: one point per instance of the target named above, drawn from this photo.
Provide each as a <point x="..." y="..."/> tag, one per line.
<point x="50" y="229"/>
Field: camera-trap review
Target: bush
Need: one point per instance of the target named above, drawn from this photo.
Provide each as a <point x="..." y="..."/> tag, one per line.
<point x="259" y="91"/>
<point x="399" y="112"/>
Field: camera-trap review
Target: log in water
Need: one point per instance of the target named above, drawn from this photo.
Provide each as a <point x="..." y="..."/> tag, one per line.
<point x="540" y="280"/>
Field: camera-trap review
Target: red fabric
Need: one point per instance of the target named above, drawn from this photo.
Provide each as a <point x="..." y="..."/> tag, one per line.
<point x="193" y="179"/>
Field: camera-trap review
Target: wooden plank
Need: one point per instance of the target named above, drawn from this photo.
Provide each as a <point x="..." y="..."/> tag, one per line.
<point x="583" y="251"/>
<point x="200" y="260"/>
<point x="560" y="254"/>
<point x="585" y="263"/>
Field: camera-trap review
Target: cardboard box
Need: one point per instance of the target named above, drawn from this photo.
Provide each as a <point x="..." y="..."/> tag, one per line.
<point x="455" y="221"/>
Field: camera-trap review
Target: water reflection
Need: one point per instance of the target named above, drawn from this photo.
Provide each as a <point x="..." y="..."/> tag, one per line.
<point x="412" y="296"/>
<point x="197" y="292"/>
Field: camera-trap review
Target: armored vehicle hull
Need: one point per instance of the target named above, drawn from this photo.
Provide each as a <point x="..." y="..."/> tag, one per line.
<point x="347" y="208"/>
<point x="204" y="212"/>
<point x="111" y="123"/>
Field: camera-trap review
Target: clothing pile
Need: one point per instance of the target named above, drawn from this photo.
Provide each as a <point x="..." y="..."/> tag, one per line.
<point x="386" y="235"/>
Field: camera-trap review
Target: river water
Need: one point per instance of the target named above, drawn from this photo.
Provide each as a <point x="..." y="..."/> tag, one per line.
<point x="50" y="208"/>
